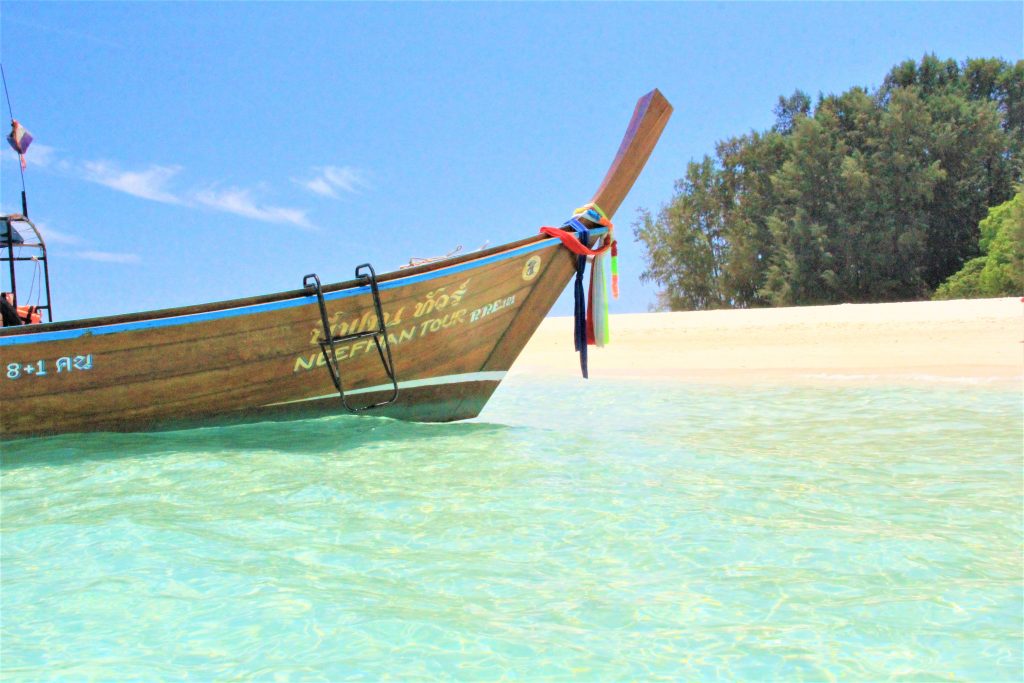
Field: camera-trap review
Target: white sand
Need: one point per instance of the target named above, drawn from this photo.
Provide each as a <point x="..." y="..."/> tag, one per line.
<point x="966" y="340"/>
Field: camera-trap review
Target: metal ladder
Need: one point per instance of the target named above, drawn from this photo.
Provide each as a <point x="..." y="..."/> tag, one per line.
<point x="327" y="345"/>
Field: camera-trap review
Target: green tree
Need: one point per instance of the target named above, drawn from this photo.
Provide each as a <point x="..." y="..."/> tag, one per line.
<point x="748" y="195"/>
<point x="970" y="110"/>
<point x="685" y="241"/>
<point x="865" y="196"/>
<point x="1000" y="271"/>
<point x="804" y="266"/>
<point x="789" y="110"/>
<point x="905" y="175"/>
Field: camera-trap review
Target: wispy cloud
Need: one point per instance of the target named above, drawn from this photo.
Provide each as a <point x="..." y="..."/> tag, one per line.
<point x="53" y="237"/>
<point x="148" y="184"/>
<point x="56" y="236"/>
<point x="239" y="201"/>
<point x="108" y="257"/>
<point x="157" y="183"/>
<point x="65" y="239"/>
<point x="329" y="181"/>
<point x="154" y="184"/>
<point x="38" y="155"/>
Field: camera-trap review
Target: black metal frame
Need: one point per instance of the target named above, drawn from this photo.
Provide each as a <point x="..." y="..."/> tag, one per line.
<point x="7" y="237"/>
<point x="327" y="344"/>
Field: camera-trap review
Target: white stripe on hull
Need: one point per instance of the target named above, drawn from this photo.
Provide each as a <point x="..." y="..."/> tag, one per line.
<point x="493" y="376"/>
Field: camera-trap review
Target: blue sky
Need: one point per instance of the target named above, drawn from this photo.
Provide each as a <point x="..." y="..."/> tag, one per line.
<point x="190" y="152"/>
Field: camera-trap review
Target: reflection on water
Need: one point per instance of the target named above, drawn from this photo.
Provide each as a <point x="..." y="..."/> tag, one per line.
<point x="628" y="530"/>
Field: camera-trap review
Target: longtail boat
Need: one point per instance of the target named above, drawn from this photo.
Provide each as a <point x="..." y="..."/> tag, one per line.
<point x="425" y="343"/>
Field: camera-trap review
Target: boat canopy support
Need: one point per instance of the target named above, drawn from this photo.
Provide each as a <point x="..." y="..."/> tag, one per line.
<point x="380" y="338"/>
<point x="30" y="248"/>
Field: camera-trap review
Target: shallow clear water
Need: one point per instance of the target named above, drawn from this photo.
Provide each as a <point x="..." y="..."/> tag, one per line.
<point x="608" y="530"/>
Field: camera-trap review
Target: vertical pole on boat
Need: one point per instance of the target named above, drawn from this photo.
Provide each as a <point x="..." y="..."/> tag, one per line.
<point x="46" y="278"/>
<point x="10" y="258"/>
<point x="21" y="168"/>
<point x="24" y="200"/>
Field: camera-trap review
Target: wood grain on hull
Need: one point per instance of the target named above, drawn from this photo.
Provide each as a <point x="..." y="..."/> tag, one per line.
<point x="454" y="322"/>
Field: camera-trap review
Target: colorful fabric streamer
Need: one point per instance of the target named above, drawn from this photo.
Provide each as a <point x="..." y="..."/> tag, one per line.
<point x="615" y="270"/>
<point x="597" y="313"/>
<point x="591" y="317"/>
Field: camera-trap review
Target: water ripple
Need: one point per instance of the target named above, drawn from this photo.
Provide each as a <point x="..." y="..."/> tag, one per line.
<point x="688" y="532"/>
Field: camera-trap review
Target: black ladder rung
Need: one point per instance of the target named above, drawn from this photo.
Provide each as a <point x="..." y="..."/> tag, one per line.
<point x="327" y="345"/>
<point x="356" y="335"/>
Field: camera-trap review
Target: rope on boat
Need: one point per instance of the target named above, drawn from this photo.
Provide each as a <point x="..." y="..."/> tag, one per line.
<point x="591" y="322"/>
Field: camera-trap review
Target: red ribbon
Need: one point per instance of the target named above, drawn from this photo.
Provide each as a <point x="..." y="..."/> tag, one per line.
<point x="573" y="244"/>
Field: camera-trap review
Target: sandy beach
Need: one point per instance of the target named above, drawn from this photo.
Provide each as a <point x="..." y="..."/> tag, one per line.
<point x="965" y="340"/>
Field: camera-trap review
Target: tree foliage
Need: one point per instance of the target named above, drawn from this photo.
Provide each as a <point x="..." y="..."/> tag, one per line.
<point x="864" y="196"/>
<point x="1000" y="271"/>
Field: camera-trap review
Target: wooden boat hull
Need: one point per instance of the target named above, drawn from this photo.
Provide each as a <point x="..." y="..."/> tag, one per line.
<point x="455" y="328"/>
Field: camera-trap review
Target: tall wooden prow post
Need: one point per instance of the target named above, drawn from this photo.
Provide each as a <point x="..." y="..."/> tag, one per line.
<point x="650" y="116"/>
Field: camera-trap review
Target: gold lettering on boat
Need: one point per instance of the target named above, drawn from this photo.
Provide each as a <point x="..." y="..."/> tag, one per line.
<point x="492" y="307"/>
<point x="367" y="321"/>
<point x="421" y="328"/>
<point x="439" y="299"/>
<point x="531" y="268"/>
<point x="433" y="313"/>
<point x="436" y="324"/>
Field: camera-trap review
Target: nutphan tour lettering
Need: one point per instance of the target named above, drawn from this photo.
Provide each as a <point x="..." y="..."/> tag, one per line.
<point x="437" y="311"/>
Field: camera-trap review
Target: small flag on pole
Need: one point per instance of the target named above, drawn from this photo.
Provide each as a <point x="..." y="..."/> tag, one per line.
<point x="20" y="139"/>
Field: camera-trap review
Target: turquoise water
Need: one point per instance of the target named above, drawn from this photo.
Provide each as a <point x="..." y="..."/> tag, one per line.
<point x="628" y="531"/>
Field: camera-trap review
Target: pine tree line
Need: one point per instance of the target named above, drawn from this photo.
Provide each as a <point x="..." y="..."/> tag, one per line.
<point x="862" y="197"/>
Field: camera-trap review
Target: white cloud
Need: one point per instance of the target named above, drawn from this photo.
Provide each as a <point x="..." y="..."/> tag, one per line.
<point x="319" y="186"/>
<point x="108" y="257"/>
<point x="332" y="179"/>
<point x="239" y="201"/>
<point x="148" y="184"/>
<point x="38" y="155"/>
<point x="155" y="183"/>
<point x="51" y="236"/>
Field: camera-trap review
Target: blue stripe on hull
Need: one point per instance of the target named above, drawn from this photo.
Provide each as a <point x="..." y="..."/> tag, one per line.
<point x="266" y="307"/>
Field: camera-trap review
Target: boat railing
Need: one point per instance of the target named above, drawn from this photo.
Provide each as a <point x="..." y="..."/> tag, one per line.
<point x="13" y="247"/>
